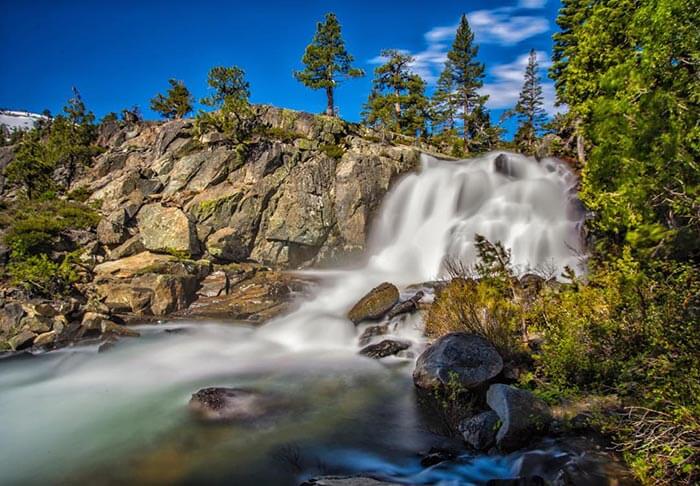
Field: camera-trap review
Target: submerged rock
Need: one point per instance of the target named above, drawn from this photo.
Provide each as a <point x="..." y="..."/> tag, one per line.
<point x="385" y="348"/>
<point x="469" y="358"/>
<point x="375" y="303"/>
<point x="231" y="404"/>
<point x="523" y="415"/>
<point x="345" y="481"/>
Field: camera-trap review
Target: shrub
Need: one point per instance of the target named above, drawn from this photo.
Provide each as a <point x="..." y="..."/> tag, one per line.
<point x="37" y="273"/>
<point x="333" y="151"/>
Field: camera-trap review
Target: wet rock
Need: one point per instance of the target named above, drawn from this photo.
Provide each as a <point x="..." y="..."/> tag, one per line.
<point x="388" y="347"/>
<point x="437" y="455"/>
<point x="166" y="230"/>
<point x="519" y="481"/>
<point x="375" y="304"/>
<point x="470" y="358"/>
<point x="410" y="305"/>
<point x="45" y="338"/>
<point x="502" y="165"/>
<point x="231" y="404"/>
<point x="523" y="415"/>
<point x="21" y="340"/>
<point x="345" y="481"/>
<point x="480" y="430"/>
<point x="109" y="327"/>
<point x="372" y="331"/>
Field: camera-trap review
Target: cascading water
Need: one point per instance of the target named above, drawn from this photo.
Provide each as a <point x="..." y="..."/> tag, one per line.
<point x="70" y="413"/>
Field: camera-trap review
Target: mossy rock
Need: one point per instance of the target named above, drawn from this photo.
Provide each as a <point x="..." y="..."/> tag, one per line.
<point x="375" y="304"/>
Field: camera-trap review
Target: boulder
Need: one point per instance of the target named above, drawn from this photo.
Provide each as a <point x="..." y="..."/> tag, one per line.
<point x="111" y="229"/>
<point x="228" y="245"/>
<point x="231" y="405"/>
<point x="471" y="359"/>
<point x="10" y="316"/>
<point x="375" y="303"/>
<point x="109" y="327"/>
<point x="385" y="348"/>
<point x="132" y="265"/>
<point x="21" y="340"/>
<point x="167" y="230"/>
<point x="480" y="430"/>
<point x="130" y="247"/>
<point x="523" y="416"/>
<point x="372" y="331"/>
<point x="45" y="338"/>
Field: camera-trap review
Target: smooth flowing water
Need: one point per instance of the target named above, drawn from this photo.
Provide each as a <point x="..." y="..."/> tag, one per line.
<point x="76" y="415"/>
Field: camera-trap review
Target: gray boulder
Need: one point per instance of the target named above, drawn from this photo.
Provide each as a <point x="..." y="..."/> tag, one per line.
<point x="112" y="229"/>
<point x="231" y="405"/>
<point x="480" y="430"/>
<point x="166" y="229"/>
<point x="522" y="415"/>
<point x="471" y="359"/>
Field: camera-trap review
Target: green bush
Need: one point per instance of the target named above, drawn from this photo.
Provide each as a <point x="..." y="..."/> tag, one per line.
<point x="333" y="151"/>
<point x="37" y="273"/>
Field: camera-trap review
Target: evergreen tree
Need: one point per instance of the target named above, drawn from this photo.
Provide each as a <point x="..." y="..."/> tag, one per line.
<point x="31" y="167"/>
<point x="397" y="101"/>
<point x="467" y="73"/>
<point x="327" y="61"/>
<point x="529" y="109"/>
<point x="445" y="101"/>
<point x="229" y="85"/>
<point x="176" y="104"/>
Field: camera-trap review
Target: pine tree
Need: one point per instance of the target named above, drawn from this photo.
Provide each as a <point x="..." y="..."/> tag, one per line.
<point x="31" y="167"/>
<point x="467" y="73"/>
<point x="397" y="101"/>
<point x="229" y="85"/>
<point x="529" y="109"/>
<point x="444" y="101"/>
<point x="327" y="62"/>
<point x="176" y="104"/>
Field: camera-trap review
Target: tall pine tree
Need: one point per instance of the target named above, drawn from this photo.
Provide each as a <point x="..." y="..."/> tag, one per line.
<point x="327" y="62"/>
<point x="397" y="101"/>
<point x="467" y="74"/>
<point x="444" y="101"/>
<point x="529" y="109"/>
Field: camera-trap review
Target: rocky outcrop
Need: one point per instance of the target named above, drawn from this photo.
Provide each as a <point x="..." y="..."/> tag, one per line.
<point x="467" y="358"/>
<point x="375" y="304"/>
<point x="523" y="416"/>
<point x="302" y="191"/>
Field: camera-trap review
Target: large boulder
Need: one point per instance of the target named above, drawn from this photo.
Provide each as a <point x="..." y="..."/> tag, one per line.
<point x="469" y="358"/>
<point x="166" y="229"/>
<point x="228" y="244"/>
<point x="523" y="416"/>
<point x="218" y="404"/>
<point x="375" y="303"/>
<point x="112" y="229"/>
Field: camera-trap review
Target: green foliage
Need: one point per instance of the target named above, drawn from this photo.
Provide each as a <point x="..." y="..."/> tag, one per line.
<point x="327" y="62"/>
<point x="229" y="84"/>
<point x="176" y="103"/>
<point x="333" y="150"/>
<point x="31" y="167"/>
<point x="397" y="101"/>
<point x="38" y="274"/>
<point x="529" y="109"/>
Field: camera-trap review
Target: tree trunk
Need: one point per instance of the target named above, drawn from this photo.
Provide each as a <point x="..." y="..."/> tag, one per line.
<point x="465" y="127"/>
<point x="330" y="108"/>
<point x="580" y="148"/>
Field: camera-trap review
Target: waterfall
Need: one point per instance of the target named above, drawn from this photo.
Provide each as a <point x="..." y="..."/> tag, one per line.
<point x="529" y="206"/>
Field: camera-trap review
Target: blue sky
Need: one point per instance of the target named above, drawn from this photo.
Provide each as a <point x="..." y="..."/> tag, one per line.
<point x="121" y="53"/>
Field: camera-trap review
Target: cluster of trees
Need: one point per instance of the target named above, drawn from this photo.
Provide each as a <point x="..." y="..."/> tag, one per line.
<point x="455" y="117"/>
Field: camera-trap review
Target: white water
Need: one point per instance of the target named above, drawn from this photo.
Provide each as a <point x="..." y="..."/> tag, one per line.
<point x="75" y="408"/>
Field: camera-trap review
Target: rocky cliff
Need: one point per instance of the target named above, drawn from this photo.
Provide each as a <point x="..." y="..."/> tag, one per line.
<point x="199" y="225"/>
<point x="301" y="192"/>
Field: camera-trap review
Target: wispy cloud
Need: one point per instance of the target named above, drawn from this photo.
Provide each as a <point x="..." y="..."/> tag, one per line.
<point x="507" y="80"/>
<point x="502" y="26"/>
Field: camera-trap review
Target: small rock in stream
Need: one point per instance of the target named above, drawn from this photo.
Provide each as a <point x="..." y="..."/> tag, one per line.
<point x="385" y="348"/>
<point x="218" y="404"/>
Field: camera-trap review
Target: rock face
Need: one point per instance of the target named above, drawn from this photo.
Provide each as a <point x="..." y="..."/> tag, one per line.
<point x="230" y="405"/>
<point x="522" y="414"/>
<point x="375" y="304"/>
<point x="471" y="359"/>
<point x="167" y="229"/>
